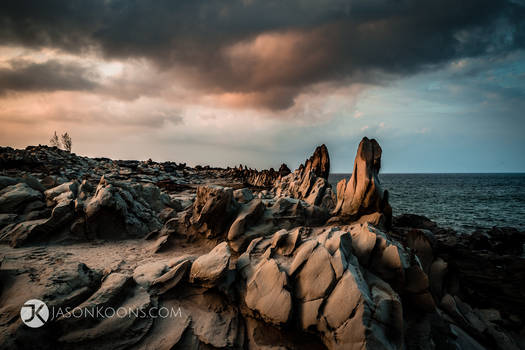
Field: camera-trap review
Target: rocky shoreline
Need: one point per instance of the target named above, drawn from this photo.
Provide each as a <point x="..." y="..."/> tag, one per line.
<point x="268" y="259"/>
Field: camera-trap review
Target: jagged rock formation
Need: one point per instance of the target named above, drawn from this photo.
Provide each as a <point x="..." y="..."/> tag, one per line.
<point x="52" y="167"/>
<point x="217" y="214"/>
<point x="316" y="276"/>
<point x="254" y="178"/>
<point x="252" y="270"/>
<point x="478" y="285"/>
<point x="73" y="211"/>
<point x="310" y="181"/>
<point x="362" y="195"/>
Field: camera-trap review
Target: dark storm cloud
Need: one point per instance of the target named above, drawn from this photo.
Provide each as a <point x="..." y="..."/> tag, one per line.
<point x="269" y="51"/>
<point x="48" y="76"/>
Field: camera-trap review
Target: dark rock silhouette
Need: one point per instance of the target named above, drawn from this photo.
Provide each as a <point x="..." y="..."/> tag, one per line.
<point x="258" y="179"/>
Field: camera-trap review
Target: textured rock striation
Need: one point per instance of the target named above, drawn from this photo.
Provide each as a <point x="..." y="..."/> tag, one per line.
<point x="362" y="195"/>
<point x="77" y="211"/>
<point x="309" y="182"/>
<point x="246" y="269"/>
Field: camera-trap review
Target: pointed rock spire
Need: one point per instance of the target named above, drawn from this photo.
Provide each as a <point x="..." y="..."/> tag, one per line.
<point x="362" y="194"/>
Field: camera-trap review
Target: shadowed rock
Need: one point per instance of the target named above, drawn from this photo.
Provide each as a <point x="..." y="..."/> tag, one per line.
<point x="213" y="210"/>
<point x="118" y="210"/>
<point x="13" y="198"/>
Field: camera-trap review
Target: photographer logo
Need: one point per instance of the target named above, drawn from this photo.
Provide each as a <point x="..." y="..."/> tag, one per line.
<point x="34" y="313"/>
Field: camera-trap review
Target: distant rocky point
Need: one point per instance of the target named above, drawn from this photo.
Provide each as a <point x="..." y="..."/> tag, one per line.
<point x="254" y="259"/>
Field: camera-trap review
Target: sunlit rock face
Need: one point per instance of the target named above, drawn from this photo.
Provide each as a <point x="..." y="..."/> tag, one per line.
<point x="310" y="181"/>
<point x="362" y="195"/>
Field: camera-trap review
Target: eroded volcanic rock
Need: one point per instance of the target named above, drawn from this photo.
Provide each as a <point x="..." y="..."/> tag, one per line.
<point x="249" y="269"/>
<point x="310" y="181"/>
<point x="213" y="210"/>
<point x="362" y="194"/>
<point x="77" y="211"/>
<point x="258" y="179"/>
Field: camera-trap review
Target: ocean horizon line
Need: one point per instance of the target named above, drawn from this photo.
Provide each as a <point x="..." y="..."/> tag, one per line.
<point x="442" y="173"/>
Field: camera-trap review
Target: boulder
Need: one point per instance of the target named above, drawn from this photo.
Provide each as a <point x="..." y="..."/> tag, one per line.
<point x="284" y="242"/>
<point x="243" y="195"/>
<point x="117" y="211"/>
<point x="248" y="216"/>
<point x="6" y="181"/>
<point x="172" y="278"/>
<point x="13" y="198"/>
<point x="68" y="190"/>
<point x="213" y="210"/>
<point x="209" y="269"/>
<point x="33" y="182"/>
<point x="41" y="230"/>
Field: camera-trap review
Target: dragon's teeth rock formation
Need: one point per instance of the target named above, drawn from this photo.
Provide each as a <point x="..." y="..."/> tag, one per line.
<point x="247" y="268"/>
<point x="362" y="195"/>
<point x="310" y="181"/>
<point x="260" y="179"/>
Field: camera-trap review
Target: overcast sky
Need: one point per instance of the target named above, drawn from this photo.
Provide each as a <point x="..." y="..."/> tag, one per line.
<point x="439" y="83"/>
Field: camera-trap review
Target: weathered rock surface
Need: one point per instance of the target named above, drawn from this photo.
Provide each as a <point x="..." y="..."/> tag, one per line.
<point x="13" y="198"/>
<point x="41" y="229"/>
<point x="213" y="210"/>
<point x="260" y="179"/>
<point x="211" y="268"/>
<point x="310" y="181"/>
<point x="217" y="214"/>
<point x="331" y="297"/>
<point x="249" y="216"/>
<point x="362" y="194"/>
<point x="63" y="286"/>
<point x="245" y="268"/>
<point x="267" y="293"/>
<point x="117" y="210"/>
<point x="172" y="278"/>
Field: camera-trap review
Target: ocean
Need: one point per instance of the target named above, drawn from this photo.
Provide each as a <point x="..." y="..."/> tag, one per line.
<point x="463" y="202"/>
